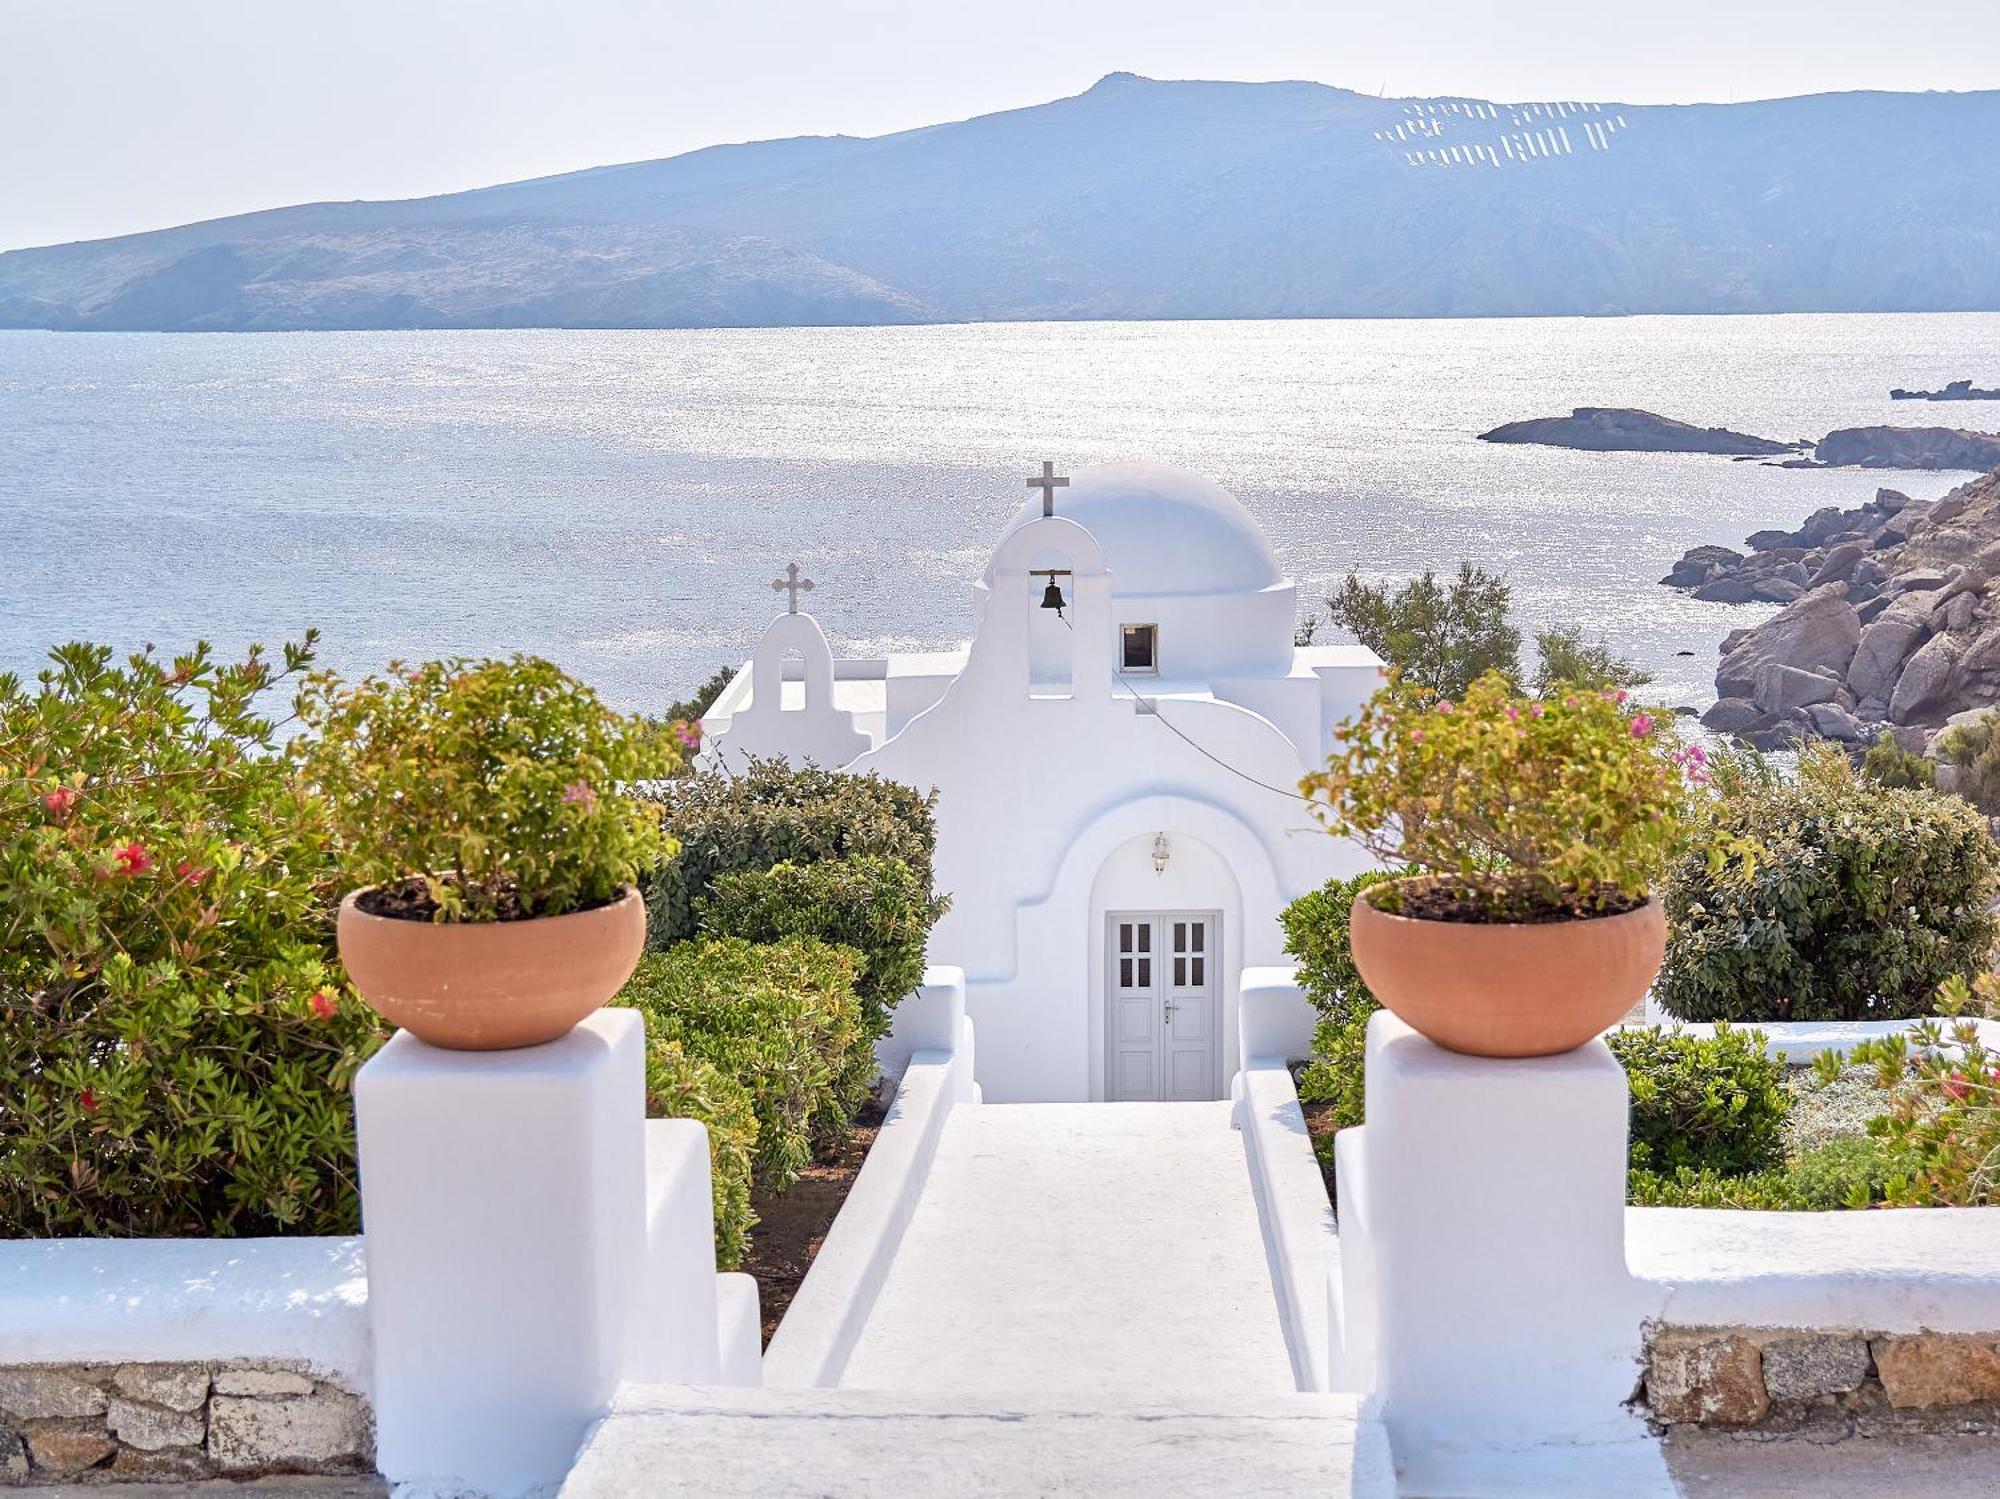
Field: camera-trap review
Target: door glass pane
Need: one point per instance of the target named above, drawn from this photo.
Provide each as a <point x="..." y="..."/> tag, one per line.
<point x="1124" y="936"/>
<point x="1200" y="934"/>
<point x="1145" y="973"/>
<point x="1180" y="972"/>
<point x="1197" y="972"/>
<point x="1124" y="973"/>
<point x="1145" y="936"/>
<point x="1180" y="936"/>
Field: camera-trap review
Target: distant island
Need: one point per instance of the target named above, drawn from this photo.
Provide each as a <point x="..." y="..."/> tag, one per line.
<point x="1957" y="390"/>
<point x="1135" y="199"/>
<point x="1625" y="429"/>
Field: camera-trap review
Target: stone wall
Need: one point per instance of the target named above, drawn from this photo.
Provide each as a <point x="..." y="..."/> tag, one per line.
<point x="1822" y="1384"/>
<point x="177" y="1420"/>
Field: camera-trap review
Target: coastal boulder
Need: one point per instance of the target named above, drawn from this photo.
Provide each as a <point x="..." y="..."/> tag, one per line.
<point x="1819" y="630"/>
<point x="1886" y="643"/>
<point x="1838" y="565"/>
<point x="1831" y="721"/>
<point x="1780" y="688"/>
<point x="1925" y="678"/>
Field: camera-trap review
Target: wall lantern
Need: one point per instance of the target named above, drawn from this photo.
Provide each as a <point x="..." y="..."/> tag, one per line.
<point x="1161" y="851"/>
<point x="1052" y="595"/>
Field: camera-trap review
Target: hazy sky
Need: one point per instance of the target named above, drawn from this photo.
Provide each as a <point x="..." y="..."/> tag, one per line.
<point x="117" y="115"/>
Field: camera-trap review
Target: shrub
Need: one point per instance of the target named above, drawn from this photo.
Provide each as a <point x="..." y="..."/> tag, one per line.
<point x="485" y="790"/>
<point x="1856" y="1172"/>
<point x="1439" y="638"/>
<point x="176" y="1039"/>
<point x="781" y="1020"/>
<point x="1887" y="763"/>
<point x="1944" y="1089"/>
<point x="1520" y="809"/>
<point x="1703" y="1104"/>
<point x="679" y="1086"/>
<point x="1858" y="902"/>
<point x="690" y="708"/>
<point x="1973" y="752"/>
<point x="878" y="907"/>
<point x="1570" y="663"/>
<point x="773" y="813"/>
<point x="1316" y="928"/>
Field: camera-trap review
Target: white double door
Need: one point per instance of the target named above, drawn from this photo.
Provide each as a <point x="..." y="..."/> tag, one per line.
<point x="1163" y="1020"/>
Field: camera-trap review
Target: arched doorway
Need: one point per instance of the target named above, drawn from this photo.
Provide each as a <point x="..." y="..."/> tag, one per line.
<point x="1167" y="912"/>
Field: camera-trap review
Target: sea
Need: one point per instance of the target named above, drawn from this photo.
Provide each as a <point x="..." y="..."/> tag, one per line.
<point x="620" y="501"/>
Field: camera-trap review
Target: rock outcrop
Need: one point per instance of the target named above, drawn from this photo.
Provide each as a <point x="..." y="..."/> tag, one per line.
<point x="1621" y="429"/>
<point x="1907" y="447"/>
<point x="1889" y="621"/>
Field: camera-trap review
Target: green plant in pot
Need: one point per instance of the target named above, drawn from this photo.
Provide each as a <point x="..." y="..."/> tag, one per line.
<point x="1538" y="828"/>
<point x="483" y="809"/>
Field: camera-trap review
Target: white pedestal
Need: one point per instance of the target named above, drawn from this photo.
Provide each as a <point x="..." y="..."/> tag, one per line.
<point x="1485" y="1302"/>
<point x="504" y="1203"/>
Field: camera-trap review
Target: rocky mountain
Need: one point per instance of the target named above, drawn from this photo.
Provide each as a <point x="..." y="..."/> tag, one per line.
<point x="1136" y="199"/>
<point x="1890" y="620"/>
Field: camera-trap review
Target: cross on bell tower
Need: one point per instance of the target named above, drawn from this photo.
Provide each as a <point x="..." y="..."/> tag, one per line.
<point x="791" y="583"/>
<point x="1048" y="483"/>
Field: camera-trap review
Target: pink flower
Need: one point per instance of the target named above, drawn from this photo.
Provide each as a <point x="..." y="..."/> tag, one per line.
<point x="323" y="1004"/>
<point x="579" y="794"/>
<point x="1642" y="725"/>
<point x="1444" y="705"/>
<point x="1416" y="736"/>
<point x="194" y="874"/>
<point x="132" y="859"/>
<point x="1513" y="715"/>
<point x="689" y="735"/>
<point x="1569" y="702"/>
<point x="1955" y="1087"/>
<point x="60" y="800"/>
<point x="1536" y="709"/>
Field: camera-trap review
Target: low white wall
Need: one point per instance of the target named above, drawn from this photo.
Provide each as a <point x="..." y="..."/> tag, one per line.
<point x="168" y="1300"/>
<point x="814" y="1341"/>
<point x="1899" y="1270"/>
<point x="1274" y="1017"/>
<point x="1803" y="1040"/>
<point x="1300" y="1238"/>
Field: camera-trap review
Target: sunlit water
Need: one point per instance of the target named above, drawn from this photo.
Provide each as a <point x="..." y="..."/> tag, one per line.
<point x="619" y="501"/>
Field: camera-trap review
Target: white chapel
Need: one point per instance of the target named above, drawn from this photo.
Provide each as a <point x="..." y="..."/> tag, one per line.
<point x="1116" y="751"/>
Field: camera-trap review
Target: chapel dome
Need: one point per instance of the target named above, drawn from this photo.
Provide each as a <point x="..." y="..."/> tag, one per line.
<point x="1163" y="530"/>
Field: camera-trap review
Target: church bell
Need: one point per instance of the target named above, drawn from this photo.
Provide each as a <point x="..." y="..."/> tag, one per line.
<point x="1052" y="598"/>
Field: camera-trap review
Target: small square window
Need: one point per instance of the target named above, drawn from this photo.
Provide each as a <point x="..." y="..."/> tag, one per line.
<point x="1141" y="647"/>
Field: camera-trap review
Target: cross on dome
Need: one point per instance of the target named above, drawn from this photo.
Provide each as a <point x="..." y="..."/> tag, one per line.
<point x="791" y="583"/>
<point x="1048" y="483"/>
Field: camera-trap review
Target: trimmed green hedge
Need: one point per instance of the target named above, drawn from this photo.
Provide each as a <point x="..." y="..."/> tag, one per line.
<point x="679" y="1086"/>
<point x="780" y="1020"/>
<point x="1316" y="933"/>
<point x="775" y="814"/>
<point x="1862" y="900"/>
<point x="1857" y="1171"/>
<point x="882" y="908"/>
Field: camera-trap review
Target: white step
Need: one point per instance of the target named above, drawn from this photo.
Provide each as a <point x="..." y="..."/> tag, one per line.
<point x="873" y="1444"/>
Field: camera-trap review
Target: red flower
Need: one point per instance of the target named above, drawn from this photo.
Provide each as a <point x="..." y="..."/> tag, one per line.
<point x="1955" y="1087"/>
<point x="88" y="1100"/>
<point x="1642" y="725"/>
<point x="60" y="800"/>
<point x="323" y="1004"/>
<point x="194" y="874"/>
<point x="132" y="859"/>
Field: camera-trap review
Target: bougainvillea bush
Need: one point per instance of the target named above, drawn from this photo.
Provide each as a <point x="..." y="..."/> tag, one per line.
<point x="485" y="790"/>
<point x="1517" y="809"/>
<point x="176" y="1038"/>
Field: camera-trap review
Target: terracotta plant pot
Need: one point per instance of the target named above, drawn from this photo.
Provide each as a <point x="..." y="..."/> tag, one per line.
<point x="489" y="986"/>
<point x="1509" y="989"/>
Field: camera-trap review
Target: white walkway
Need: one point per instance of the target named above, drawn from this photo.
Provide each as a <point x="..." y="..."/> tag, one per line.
<point x="1111" y="1250"/>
